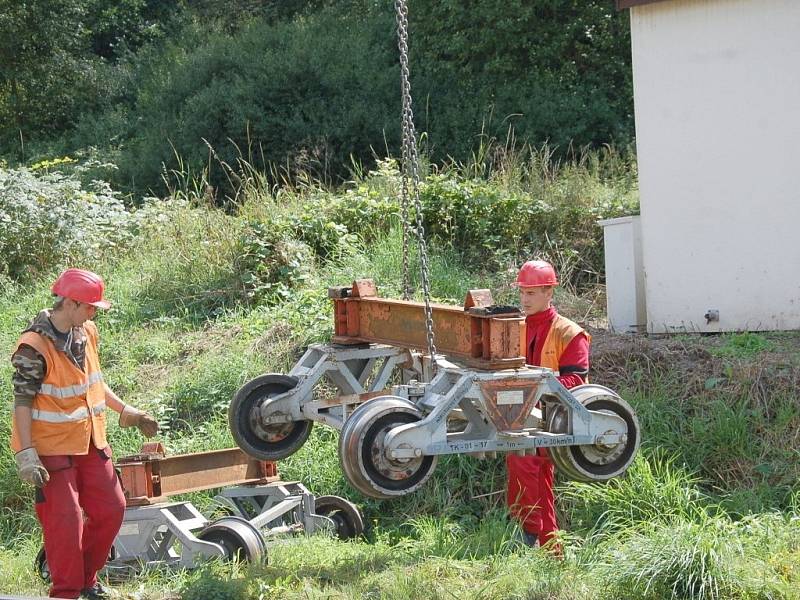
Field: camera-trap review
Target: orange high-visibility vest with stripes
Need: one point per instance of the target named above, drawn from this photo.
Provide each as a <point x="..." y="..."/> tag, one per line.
<point x="69" y="409"/>
<point x="562" y="332"/>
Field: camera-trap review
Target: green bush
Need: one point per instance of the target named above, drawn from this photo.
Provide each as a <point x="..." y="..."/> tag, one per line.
<point x="509" y="223"/>
<point x="654" y="490"/>
<point x="58" y="64"/>
<point x="323" y="91"/>
<point x="306" y="94"/>
<point x="371" y="206"/>
<point x="704" y="559"/>
<point x="50" y="219"/>
<point x="526" y="207"/>
<point x="556" y="70"/>
<point x="270" y="262"/>
<point x="307" y="85"/>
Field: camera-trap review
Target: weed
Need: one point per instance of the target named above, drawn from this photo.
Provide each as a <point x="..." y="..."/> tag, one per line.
<point x="654" y="490"/>
<point x="743" y="345"/>
<point x="699" y="559"/>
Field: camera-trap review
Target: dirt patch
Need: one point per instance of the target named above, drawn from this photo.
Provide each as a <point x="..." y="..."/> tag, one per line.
<point x="277" y="337"/>
<point x="621" y="361"/>
<point x="211" y="338"/>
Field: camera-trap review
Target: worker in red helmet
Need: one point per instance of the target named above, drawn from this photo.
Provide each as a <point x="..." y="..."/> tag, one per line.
<point x="555" y="342"/>
<point x="58" y="434"/>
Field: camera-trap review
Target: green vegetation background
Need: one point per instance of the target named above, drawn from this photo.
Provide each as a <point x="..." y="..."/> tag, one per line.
<point x="267" y="131"/>
<point x="308" y="85"/>
<point x="206" y="298"/>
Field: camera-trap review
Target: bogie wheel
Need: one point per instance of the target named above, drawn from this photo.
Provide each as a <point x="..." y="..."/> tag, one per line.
<point x="272" y="441"/>
<point x="362" y="452"/>
<point x="593" y="463"/>
<point x="557" y="423"/>
<point x="344" y="514"/>
<point x="237" y="537"/>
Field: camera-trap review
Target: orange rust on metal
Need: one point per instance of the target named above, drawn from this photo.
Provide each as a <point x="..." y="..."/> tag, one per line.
<point x="150" y="477"/>
<point x="152" y="448"/>
<point x="365" y="288"/>
<point x="352" y="319"/>
<point x="509" y="402"/>
<point x="482" y="341"/>
<point x="478" y="298"/>
<point x="340" y="318"/>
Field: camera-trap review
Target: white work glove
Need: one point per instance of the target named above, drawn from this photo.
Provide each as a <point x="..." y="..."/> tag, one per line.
<point x="31" y="469"/>
<point x="132" y="417"/>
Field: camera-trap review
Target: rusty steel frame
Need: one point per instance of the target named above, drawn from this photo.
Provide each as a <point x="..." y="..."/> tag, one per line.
<point x="150" y="477"/>
<point x="474" y="334"/>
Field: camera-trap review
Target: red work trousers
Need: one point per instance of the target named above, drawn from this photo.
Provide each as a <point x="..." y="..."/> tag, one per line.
<point x="530" y="493"/>
<point x="81" y="510"/>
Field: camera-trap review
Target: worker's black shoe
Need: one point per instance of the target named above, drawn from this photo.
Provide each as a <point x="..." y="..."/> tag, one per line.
<point x="96" y="592"/>
<point x="530" y="539"/>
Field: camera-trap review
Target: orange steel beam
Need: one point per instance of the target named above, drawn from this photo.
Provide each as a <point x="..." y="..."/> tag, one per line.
<point x="150" y="477"/>
<point x="474" y="334"/>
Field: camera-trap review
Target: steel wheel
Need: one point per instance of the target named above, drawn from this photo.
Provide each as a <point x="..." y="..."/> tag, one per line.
<point x="595" y="462"/>
<point x="557" y="423"/>
<point x="362" y="451"/>
<point x="265" y="442"/>
<point x="345" y="515"/>
<point x="238" y="538"/>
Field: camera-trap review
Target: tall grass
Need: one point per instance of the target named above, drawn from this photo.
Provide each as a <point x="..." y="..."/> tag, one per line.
<point x="710" y="508"/>
<point x="654" y="490"/>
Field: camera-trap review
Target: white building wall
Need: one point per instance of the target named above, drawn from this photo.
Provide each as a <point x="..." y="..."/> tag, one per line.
<point x="717" y="102"/>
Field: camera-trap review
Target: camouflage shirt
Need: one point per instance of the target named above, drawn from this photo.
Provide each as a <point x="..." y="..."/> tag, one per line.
<point x="30" y="366"/>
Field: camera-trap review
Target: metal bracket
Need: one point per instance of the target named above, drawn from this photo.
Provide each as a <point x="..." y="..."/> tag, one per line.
<point x="148" y="536"/>
<point x="359" y="373"/>
<point x="469" y="390"/>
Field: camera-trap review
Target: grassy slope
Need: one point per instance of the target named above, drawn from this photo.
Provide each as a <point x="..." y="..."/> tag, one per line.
<point x="709" y="510"/>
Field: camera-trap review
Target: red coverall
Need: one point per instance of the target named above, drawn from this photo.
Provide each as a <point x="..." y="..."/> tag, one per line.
<point x="81" y="510"/>
<point x="530" y="478"/>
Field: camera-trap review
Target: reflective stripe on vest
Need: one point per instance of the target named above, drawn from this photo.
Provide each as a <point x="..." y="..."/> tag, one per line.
<point x="60" y="417"/>
<point x="70" y="390"/>
<point x="68" y="411"/>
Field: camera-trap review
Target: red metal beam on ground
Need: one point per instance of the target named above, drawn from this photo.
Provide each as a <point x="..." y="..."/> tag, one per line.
<point x="473" y="335"/>
<point x="150" y="476"/>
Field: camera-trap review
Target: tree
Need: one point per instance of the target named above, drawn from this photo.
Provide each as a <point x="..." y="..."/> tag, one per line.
<point x="41" y="64"/>
<point x="557" y="70"/>
<point x="116" y="28"/>
<point x="55" y="57"/>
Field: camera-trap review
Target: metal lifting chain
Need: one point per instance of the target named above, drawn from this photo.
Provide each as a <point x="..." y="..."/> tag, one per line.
<point x="401" y="12"/>
<point x="410" y="160"/>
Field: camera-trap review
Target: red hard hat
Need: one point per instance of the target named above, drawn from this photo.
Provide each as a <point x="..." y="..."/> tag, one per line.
<point x="81" y="286"/>
<point x="536" y="273"/>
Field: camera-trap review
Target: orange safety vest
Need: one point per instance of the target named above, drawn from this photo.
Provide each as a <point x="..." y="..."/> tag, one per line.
<point x="69" y="409"/>
<point x="562" y="332"/>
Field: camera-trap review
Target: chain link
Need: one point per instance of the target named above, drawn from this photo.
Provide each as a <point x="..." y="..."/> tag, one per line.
<point x="410" y="159"/>
<point x="404" y="205"/>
